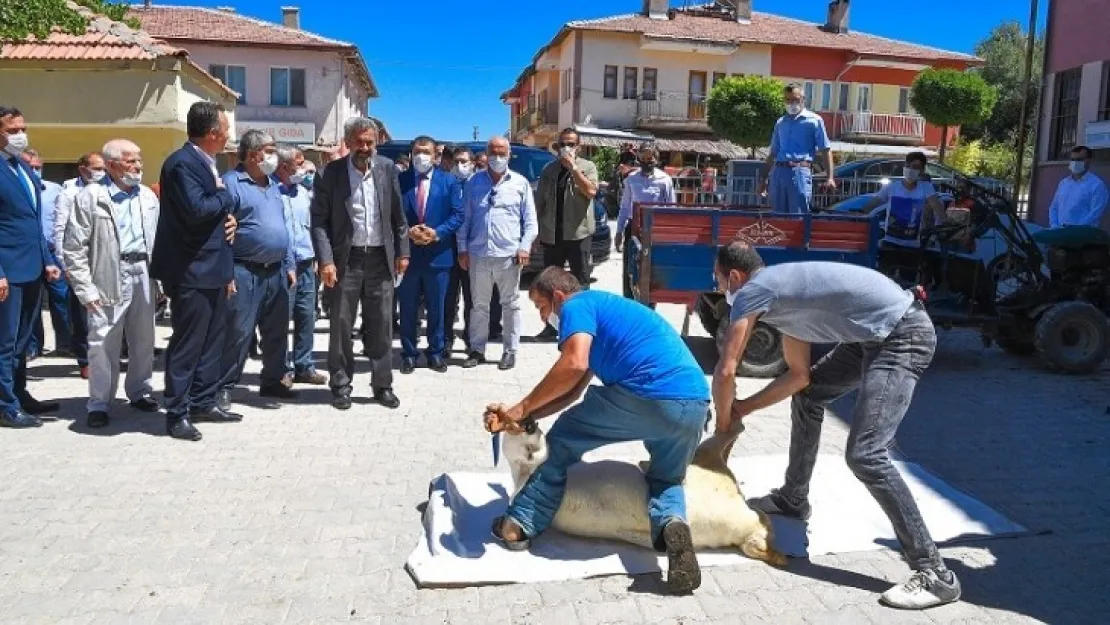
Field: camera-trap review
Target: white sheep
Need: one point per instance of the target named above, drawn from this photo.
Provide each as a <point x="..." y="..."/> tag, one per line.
<point x="608" y="499"/>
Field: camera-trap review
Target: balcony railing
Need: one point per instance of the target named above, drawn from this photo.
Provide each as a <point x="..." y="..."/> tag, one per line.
<point x="670" y="108"/>
<point x="880" y="125"/>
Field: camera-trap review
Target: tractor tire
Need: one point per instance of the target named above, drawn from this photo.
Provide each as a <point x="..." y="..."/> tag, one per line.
<point x="706" y="310"/>
<point x="1073" y="337"/>
<point x="763" y="357"/>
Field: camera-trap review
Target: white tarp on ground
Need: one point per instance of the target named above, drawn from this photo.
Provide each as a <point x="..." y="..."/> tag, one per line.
<point x="456" y="549"/>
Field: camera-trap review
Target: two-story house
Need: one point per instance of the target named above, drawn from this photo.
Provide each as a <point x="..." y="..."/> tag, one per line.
<point x="1075" y="99"/>
<point x="299" y="86"/>
<point x="647" y="76"/>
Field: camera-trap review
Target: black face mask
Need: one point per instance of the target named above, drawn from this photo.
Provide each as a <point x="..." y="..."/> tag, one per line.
<point x="649" y="167"/>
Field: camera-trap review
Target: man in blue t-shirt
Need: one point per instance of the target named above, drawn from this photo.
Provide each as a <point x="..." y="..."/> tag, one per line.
<point x="653" y="390"/>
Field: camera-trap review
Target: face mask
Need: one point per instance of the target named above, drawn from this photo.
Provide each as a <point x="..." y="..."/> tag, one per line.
<point x="1077" y="167"/>
<point x="793" y="109"/>
<point x="553" y="320"/>
<point x="308" y="179"/>
<point x="730" y="295"/>
<point x="463" y="171"/>
<point x="649" y="168"/>
<point x="97" y="176"/>
<point x="567" y="151"/>
<point x="16" y="144"/>
<point x="269" y="164"/>
<point x="296" y="178"/>
<point x="38" y="171"/>
<point x="499" y="164"/>
<point x="422" y="163"/>
<point x="910" y="174"/>
<point x="132" y="179"/>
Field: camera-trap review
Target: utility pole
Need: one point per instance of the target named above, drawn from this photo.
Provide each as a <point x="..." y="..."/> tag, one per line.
<point x="475" y="133"/>
<point x="1029" y="46"/>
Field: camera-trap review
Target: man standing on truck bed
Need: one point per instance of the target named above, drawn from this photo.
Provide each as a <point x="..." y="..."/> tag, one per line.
<point x="885" y="341"/>
<point x="798" y="138"/>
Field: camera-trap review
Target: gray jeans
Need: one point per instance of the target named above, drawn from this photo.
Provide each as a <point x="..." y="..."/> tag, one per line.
<point x="885" y="373"/>
<point x="485" y="273"/>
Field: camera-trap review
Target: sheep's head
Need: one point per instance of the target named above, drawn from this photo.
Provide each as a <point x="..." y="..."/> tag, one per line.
<point x="524" y="451"/>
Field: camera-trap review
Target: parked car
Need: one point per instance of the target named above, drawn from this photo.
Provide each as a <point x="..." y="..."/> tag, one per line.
<point x="990" y="248"/>
<point x="872" y="174"/>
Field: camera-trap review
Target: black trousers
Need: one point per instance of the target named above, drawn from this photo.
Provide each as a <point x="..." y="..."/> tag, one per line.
<point x="367" y="280"/>
<point x="573" y="253"/>
<point x="199" y="318"/>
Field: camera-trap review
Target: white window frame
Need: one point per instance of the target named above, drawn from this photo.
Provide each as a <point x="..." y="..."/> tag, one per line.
<point x="909" y="106"/>
<point x="242" y="93"/>
<point x="826" y="104"/>
<point x="861" y="88"/>
<point x="809" y="89"/>
<point x="289" y="89"/>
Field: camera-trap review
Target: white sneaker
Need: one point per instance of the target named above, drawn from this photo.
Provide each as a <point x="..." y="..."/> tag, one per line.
<point x="924" y="589"/>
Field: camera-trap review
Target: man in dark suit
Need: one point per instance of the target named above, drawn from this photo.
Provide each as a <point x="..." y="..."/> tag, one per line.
<point x="24" y="259"/>
<point x="192" y="257"/>
<point x="362" y="245"/>
<point x="432" y="199"/>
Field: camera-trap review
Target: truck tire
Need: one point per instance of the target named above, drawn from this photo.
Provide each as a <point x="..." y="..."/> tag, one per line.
<point x="763" y="357"/>
<point x="1073" y="337"/>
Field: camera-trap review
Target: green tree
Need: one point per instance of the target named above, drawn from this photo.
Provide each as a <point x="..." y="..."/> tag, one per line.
<point x="743" y="109"/>
<point x="605" y="159"/>
<point x="20" y="19"/>
<point x="1003" y="54"/>
<point x="947" y="97"/>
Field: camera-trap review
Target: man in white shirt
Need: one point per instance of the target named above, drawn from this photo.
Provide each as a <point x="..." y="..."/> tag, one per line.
<point x="107" y="252"/>
<point x="1081" y="197"/>
<point x="648" y="184"/>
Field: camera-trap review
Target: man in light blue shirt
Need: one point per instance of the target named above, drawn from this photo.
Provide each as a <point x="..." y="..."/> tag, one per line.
<point x="495" y="241"/>
<point x="264" y="271"/>
<point x="63" y="312"/>
<point x="1081" y="197"/>
<point x="798" y="138"/>
<point x="297" y="197"/>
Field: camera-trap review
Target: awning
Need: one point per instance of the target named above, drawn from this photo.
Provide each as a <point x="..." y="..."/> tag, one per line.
<point x="715" y="147"/>
<point x="843" y="147"/>
<point x="612" y="138"/>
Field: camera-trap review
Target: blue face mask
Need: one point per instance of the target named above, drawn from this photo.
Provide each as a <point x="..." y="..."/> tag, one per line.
<point x="307" y="180"/>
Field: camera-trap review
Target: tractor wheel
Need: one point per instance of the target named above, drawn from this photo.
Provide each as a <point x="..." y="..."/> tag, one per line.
<point x="763" y="357"/>
<point x="706" y="311"/>
<point x="1073" y="337"/>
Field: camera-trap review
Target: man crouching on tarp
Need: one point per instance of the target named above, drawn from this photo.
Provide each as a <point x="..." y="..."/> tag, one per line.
<point x="884" y="342"/>
<point x="654" y="391"/>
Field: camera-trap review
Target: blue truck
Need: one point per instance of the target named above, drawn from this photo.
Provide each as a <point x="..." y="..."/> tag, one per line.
<point x="670" y="253"/>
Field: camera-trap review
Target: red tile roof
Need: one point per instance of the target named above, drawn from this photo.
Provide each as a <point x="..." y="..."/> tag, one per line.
<point x="104" y="40"/>
<point x="768" y="29"/>
<point x="215" y="25"/>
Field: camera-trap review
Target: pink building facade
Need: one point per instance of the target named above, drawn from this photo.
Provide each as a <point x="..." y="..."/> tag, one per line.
<point x="1075" y="102"/>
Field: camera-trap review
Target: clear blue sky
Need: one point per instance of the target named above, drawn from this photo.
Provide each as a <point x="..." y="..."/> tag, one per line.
<point x="440" y="66"/>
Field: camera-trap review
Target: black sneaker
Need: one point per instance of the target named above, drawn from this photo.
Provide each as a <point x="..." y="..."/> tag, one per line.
<point x="777" y="503"/>
<point x="683" y="572"/>
<point x="473" y="360"/>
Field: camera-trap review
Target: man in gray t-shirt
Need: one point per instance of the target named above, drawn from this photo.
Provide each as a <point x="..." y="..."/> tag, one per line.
<point x="885" y="341"/>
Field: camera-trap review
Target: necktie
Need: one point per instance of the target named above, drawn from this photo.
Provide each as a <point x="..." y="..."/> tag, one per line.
<point x="421" y="197"/>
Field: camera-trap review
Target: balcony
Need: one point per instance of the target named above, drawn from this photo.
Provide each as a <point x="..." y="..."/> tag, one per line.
<point x="536" y="120"/>
<point x="909" y="129"/>
<point x="671" y="110"/>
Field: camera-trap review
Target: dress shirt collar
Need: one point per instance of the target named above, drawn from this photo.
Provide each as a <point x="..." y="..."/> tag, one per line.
<point x="208" y="158"/>
<point x="242" y="176"/>
<point x="116" y="193"/>
<point x="355" y="173"/>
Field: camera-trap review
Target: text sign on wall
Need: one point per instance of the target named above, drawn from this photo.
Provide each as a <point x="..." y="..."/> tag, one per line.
<point x="1098" y="135"/>
<point x="282" y="132"/>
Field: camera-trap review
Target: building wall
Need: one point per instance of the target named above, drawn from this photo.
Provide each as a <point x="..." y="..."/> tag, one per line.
<point x="673" y="71"/>
<point x="331" y="96"/>
<point x="1076" y="38"/>
<point x="146" y="106"/>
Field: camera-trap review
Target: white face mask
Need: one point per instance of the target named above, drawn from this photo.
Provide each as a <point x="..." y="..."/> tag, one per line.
<point x="567" y="151"/>
<point x="730" y="295"/>
<point x="463" y="170"/>
<point x="499" y="164"/>
<point x="422" y="163"/>
<point x="296" y="178"/>
<point x="910" y="174"/>
<point x="794" y="109"/>
<point x="16" y="144"/>
<point x="553" y="320"/>
<point x="97" y="175"/>
<point x="132" y="179"/>
<point x="1077" y="167"/>
<point x="269" y="164"/>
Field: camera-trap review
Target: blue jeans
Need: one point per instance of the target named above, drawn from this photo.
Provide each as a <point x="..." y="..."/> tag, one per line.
<point x="670" y="429"/>
<point x="67" y="315"/>
<point x="261" y="300"/>
<point x="302" y="300"/>
<point x="791" y="189"/>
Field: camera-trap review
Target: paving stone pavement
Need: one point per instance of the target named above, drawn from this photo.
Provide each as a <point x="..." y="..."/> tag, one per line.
<point x="303" y="514"/>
